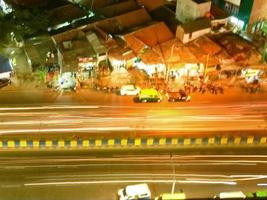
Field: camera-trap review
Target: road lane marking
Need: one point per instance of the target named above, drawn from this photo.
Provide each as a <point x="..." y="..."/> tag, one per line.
<point x="48" y="107"/>
<point x="117" y="128"/>
<point x="129" y="181"/>
<point x="262" y="184"/>
<point x="10" y="186"/>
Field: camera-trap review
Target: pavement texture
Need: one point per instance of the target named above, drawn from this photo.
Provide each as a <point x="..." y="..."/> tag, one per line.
<point x="32" y="93"/>
<point x="99" y="177"/>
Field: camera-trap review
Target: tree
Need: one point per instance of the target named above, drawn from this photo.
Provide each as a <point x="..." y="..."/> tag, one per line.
<point x="22" y="23"/>
<point x="27" y="22"/>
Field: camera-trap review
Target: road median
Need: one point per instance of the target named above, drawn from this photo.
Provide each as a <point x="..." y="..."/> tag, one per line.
<point x="84" y="143"/>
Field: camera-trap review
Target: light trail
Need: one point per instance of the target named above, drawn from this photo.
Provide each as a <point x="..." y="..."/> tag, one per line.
<point x="128" y="181"/>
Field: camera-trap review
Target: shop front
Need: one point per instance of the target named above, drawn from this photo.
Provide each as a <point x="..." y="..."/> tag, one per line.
<point x="186" y="70"/>
<point x="86" y="68"/>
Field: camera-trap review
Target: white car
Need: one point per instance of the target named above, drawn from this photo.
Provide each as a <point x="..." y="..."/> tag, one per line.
<point x="231" y="195"/>
<point x="129" y="90"/>
<point x="133" y="192"/>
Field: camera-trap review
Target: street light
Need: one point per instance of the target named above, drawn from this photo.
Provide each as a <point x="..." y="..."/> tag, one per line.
<point x="173" y="173"/>
<point x="171" y="55"/>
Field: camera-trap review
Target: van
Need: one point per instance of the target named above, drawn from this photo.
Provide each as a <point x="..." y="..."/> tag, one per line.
<point x="133" y="192"/>
<point x="231" y="195"/>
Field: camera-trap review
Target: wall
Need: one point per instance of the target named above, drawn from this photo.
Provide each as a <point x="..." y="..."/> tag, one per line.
<point x="195" y="35"/>
<point x="202" y="9"/>
<point x="236" y="2"/>
<point x="259" y="11"/>
<point x="188" y="10"/>
<point x="180" y="33"/>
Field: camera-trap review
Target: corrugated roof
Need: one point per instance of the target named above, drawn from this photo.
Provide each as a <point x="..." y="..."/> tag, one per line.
<point x="164" y="13"/>
<point x="118" y="8"/>
<point x="96" y="44"/>
<point x="134" y="18"/>
<point x="207" y="45"/>
<point x="151" y="4"/>
<point x="121" y="53"/>
<point x="95" y="4"/>
<point x="148" y="36"/>
<point x="176" y="52"/>
<point x="122" y="22"/>
<point x="66" y="13"/>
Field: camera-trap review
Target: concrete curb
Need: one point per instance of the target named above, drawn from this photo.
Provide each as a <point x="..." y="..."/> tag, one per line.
<point x="142" y="142"/>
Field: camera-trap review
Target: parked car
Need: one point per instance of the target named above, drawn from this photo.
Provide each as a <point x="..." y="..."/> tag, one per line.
<point x="231" y="195"/>
<point x="129" y="90"/>
<point x="149" y="95"/>
<point x="4" y="82"/>
<point x="177" y="96"/>
<point x="133" y="192"/>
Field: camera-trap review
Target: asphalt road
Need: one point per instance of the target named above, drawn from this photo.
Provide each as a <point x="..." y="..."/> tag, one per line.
<point x="98" y="177"/>
<point x="79" y="176"/>
<point x="103" y="118"/>
<point x="43" y="111"/>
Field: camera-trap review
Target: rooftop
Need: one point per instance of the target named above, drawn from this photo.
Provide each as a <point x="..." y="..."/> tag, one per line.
<point x="164" y="13"/>
<point x="201" y="1"/>
<point x="148" y="36"/>
<point x="199" y="24"/>
<point x="151" y="4"/>
<point x="118" y="8"/>
<point x="66" y="13"/>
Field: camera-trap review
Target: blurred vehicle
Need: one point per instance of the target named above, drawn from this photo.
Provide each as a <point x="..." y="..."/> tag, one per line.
<point x="231" y="195"/>
<point x="177" y="96"/>
<point x="259" y="194"/>
<point x="252" y="87"/>
<point x="149" y="95"/>
<point x="4" y="82"/>
<point x="175" y="196"/>
<point x="129" y="90"/>
<point x="133" y="192"/>
<point x="67" y="82"/>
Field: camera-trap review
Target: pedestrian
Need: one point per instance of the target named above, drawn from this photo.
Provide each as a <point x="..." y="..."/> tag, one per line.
<point x="77" y="84"/>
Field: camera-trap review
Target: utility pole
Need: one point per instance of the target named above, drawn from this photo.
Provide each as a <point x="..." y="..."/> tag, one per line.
<point x="264" y="55"/>
<point x="206" y="65"/>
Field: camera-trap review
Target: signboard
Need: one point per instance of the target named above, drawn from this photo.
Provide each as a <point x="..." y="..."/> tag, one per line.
<point x="251" y="72"/>
<point x="85" y="60"/>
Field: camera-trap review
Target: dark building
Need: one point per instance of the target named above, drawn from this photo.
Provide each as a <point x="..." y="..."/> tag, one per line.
<point x="248" y="13"/>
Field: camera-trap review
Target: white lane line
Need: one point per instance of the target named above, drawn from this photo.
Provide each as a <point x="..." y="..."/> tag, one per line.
<point x="79" y="119"/>
<point x="220" y="156"/>
<point x="254" y="128"/>
<point x="232" y="106"/>
<point x="211" y="176"/>
<point x="48" y="107"/>
<point x="262" y="184"/>
<point x="68" y="130"/>
<point x="10" y="186"/>
<point x="129" y="181"/>
<point x="119" y="164"/>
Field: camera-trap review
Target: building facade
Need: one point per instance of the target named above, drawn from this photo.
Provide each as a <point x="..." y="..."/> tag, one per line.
<point x="246" y="14"/>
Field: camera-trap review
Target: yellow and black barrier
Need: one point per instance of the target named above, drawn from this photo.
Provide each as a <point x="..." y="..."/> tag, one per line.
<point x="84" y="143"/>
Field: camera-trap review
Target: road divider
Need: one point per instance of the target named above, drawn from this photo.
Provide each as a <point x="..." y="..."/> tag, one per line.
<point x="138" y="142"/>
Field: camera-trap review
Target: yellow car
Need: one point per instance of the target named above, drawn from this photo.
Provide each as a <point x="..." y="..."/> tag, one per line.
<point x="175" y="196"/>
<point x="149" y="95"/>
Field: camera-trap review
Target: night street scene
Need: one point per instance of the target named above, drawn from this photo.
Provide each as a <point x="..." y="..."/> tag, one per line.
<point x="133" y="99"/>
